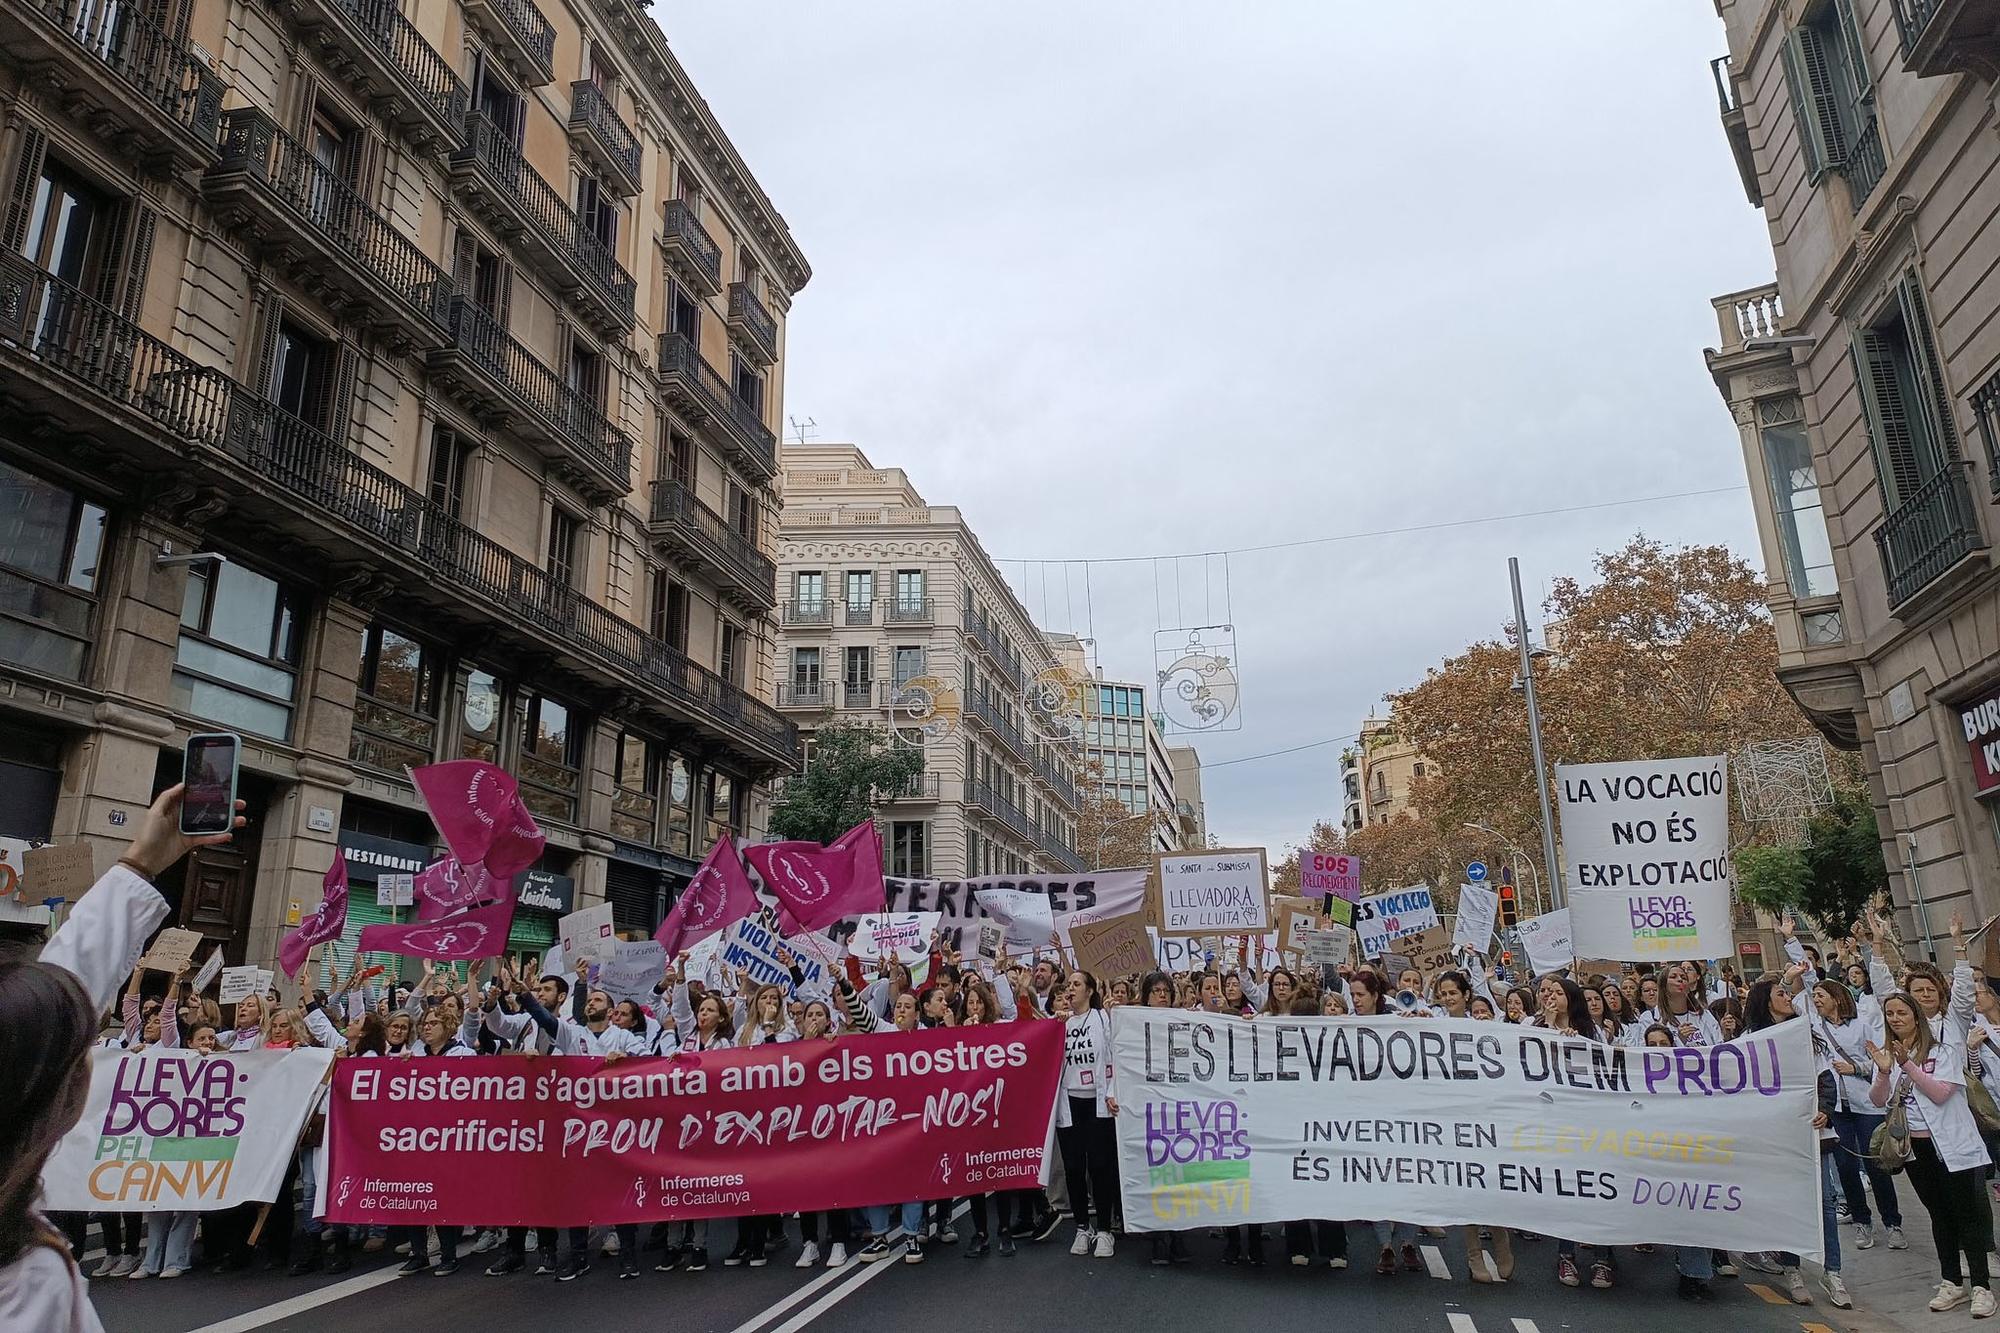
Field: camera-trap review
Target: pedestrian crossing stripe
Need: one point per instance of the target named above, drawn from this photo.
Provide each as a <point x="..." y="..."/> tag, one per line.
<point x="1462" y="1323"/>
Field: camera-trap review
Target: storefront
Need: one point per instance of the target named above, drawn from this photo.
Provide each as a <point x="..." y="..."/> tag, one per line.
<point x="1979" y="722"/>
<point x="640" y="882"/>
<point x="542" y="897"/>
<point x="368" y="859"/>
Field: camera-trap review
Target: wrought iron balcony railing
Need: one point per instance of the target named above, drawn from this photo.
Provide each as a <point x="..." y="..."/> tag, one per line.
<point x="1929" y="533"/>
<point x="595" y="121"/>
<point x="755" y="327"/>
<point x="699" y="390"/>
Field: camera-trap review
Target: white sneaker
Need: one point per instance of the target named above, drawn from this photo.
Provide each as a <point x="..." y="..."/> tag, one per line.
<point x="611" y="1246"/>
<point x="1300" y="1261"/>
<point x="1081" y="1245"/>
<point x="1949" y="1296"/>
<point x="1336" y="1263"/>
<point x="1896" y="1239"/>
<point x="1982" y="1303"/>
<point x="949" y="1236"/>
<point x="808" y="1255"/>
<point x="1836" y="1291"/>
<point x="126" y="1263"/>
<point x="138" y="1273"/>
<point x="486" y="1242"/>
<point x="166" y="1273"/>
<point x="1795" y="1283"/>
<point x="1105" y="1242"/>
<point x="1864" y="1237"/>
<point x="836" y="1256"/>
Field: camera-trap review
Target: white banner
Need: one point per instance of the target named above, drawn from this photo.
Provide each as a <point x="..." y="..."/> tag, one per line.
<point x="1026" y="917"/>
<point x="903" y="936"/>
<point x="1547" y="941"/>
<point x="1387" y="917"/>
<point x="1093" y="896"/>
<point x="751" y="947"/>
<point x="172" y="1131"/>
<point x="1477" y="909"/>
<point x="634" y="971"/>
<point x="1646" y="852"/>
<point x="1441" y="1122"/>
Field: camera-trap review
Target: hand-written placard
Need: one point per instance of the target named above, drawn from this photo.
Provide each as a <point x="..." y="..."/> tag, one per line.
<point x="634" y="971"/>
<point x="1477" y="908"/>
<point x="1390" y="916"/>
<point x="1323" y="873"/>
<point x="587" y="935"/>
<point x="1114" y="948"/>
<point x="1295" y="916"/>
<point x="395" y="888"/>
<point x="1646" y="853"/>
<point x="903" y="936"/>
<point x="237" y="983"/>
<point x="1432" y="951"/>
<point x="209" y="971"/>
<point x="1329" y="946"/>
<point x="1547" y="940"/>
<point x="172" y="951"/>
<point x="1220" y="892"/>
<point x="64" y="871"/>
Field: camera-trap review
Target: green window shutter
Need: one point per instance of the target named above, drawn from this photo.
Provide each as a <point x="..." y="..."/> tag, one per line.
<point x="1856" y="53"/>
<point x="1890" y="430"/>
<point x="1815" y="101"/>
<point x="1933" y="403"/>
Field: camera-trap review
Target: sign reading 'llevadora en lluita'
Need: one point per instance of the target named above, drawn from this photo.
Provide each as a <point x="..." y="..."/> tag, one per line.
<point x="1222" y="891"/>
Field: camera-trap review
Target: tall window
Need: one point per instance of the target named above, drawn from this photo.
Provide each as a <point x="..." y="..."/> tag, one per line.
<point x="743" y="511"/>
<point x="805" y="674"/>
<point x="1833" y="97"/>
<point x="635" y="804"/>
<point x="910" y="589"/>
<point x="586" y="375"/>
<point x="680" y="459"/>
<point x="67" y="226"/>
<point x="597" y="208"/>
<point x="909" y="855"/>
<point x="722" y="811"/>
<point x="451" y="460"/>
<point x="809" y="590"/>
<point x="680" y="806"/>
<point x="51" y="546"/>
<point x="396" y="704"/>
<point x="729" y="657"/>
<point x="1903" y="396"/>
<point x="237" y="659"/>
<point x="860" y="589"/>
<point x="302" y="378"/>
<point x="909" y="663"/>
<point x="749" y="382"/>
<point x="670" y="611"/>
<point x="683" y="312"/>
<point x="551" y="749"/>
<point x="858" y="674"/>
<point x="561" y="563"/>
<point x="1795" y="501"/>
<point x="496" y="101"/>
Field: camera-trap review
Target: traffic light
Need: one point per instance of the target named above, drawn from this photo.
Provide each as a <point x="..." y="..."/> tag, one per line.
<point x="1510" y="911"/>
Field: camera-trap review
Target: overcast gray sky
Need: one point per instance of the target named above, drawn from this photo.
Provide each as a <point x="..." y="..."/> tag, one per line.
<point x="1126" y="278"/>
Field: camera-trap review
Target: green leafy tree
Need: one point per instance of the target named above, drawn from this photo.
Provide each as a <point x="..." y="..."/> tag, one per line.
<point x="853" y="769"/>
<point x="1829" y="875"/>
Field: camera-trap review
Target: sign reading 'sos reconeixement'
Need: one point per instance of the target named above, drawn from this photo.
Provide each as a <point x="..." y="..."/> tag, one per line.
<point x="1646" y="850"/>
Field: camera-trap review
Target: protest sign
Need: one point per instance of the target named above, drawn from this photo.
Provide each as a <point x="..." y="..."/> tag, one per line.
<point x="210" y="970"/>
<point x="1025" y="915"/>
<point x="1220" y="892"/>
<point x="1646" y="852"/>
<point x="1114" y="948"/>
<point x="1321" y="873"/>
<point x="1430" y="950"/>
<point x="1477" y="910"/>
<point x="237" y="983"/>
<point x="1177" y="954"/>
<point x="1546" y="938"/>
<point x="264" y="978"/>
<point x="587" y="935"/>
<point x="779" y="1128"/>
<point x="1442" y="1122"/>
<point x="171" y="1131"/>
<point x="1328" y="946"/>
<point x="395" y="888"/>
<point x="61" y="870"/>
<point x="633" y="970"/>
<point x="992" y="937"/>
<point x="751" y="947"/>
<point x="903" y="936"/>
<point x="1343" y="912"/>
<point x="1601" y="967"/>
<point x="1294" y="916"/>
<point x="172" y="951"/>
<point x="1390" y="916"/>
<point x="1093" y="896"/>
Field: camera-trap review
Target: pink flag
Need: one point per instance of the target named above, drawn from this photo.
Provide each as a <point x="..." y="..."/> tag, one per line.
<point x="817" y="886"/>
<point x="478" y="811"/>
<point x="325" y="923"/>
<point x="719" y="895"/>
<point x="479" y="933"/>
<point x="445" y="886"/>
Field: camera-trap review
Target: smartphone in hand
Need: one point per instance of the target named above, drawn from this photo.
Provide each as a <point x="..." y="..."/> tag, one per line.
<point x="209" y="803"/>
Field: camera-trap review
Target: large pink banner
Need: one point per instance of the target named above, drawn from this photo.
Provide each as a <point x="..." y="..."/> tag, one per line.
<point x="511" y="1140"/>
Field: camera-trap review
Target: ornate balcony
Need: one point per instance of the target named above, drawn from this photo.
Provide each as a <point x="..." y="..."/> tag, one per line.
<point x="691" y="253"/>
<point x="1947" y="36"/>
<point x="600" y="135"/>
<point x="754" y="328"/>
<point x="990" y="642"/>
<point x="1736" y="128"/>
<point x="985" y="710"/>
<point x="920" y="787"/>
<point x="910" y="610"/>
<point x="812" y="697"/>
<point x="809" y="615"/>
<point x="521" y="35"/>
<point x="690" y="529"/>
<point x="503" y="382"/>
<point x="1931" y="533"/>
<point x="309" y="223"/>
<point x="699" y="392"/>
<point x="496" y="182"/>
<point x="389" y="66"/>
<point x="111" y="68"/>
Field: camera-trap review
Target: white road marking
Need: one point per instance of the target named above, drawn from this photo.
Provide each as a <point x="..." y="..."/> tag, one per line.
<point x="1462" y="1323"/>
<point x="312" y="1300"/>
<point x="764" y="1317"/>
<point x="838" y="1294"/>
<point x="1525" y="1326"/>
<point x="1434" y="1261"/>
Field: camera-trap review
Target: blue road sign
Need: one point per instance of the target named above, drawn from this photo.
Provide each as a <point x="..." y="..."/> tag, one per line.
<point x="1476" y="872"/>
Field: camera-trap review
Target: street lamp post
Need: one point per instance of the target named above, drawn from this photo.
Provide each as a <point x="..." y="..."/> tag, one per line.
<point x="1556" y="894"/>
<point x="1541" y="903"/>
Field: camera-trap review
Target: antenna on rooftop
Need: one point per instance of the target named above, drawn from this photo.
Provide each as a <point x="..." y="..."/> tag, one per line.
<point x="802" y="431"/>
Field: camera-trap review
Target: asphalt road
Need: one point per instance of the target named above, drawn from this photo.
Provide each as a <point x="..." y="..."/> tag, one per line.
<point x="1044" y="1286"/>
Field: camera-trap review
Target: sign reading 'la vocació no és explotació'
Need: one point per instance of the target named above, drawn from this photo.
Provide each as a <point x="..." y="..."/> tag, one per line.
<point x="1646" y="853"/>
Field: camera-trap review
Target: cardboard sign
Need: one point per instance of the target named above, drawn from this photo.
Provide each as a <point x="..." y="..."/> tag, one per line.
<point x="1431" y="951"/>
<point x="1321" y="873"/>
<point x="1114" y="948"/>
<point x="1222" y="892"/>
<point x="210" y="970"/>
<point x="903" y="936"/>
<point x="172" y="951"/>
<point x="1387" y="917"/>
<point x="237" y="983"/>
<point x="63" y="870"/>
<point x="1329" y="946"/>
<point x="1295" y="916"/>
<point x="1601" y="967"/>
<point x="588" y="937"/>
<point x="395" y="889"/>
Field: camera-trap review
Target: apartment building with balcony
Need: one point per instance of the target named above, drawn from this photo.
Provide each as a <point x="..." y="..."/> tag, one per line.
<point x="1864" y="383"/>
<point x="1126" y="743"/>
<point x="1376" y="775"/>
<point x="455" y="332"/>
<point x="894" y="616"/>
<point x="1191" y="813"/>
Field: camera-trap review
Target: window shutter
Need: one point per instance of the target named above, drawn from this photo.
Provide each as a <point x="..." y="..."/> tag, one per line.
<point x="1819" y="127"/>
<point x="1933" y="399"/>
<point x="346" y="375"/>
<point x="1890" y="430"/>
<point x="1857" y="51"/>
<point x="21" y="192"/>
<point x="504" y="302"/>
<point x="117" y="233"/>
<point x="264" y="354"/>
<point x="462" y="263"/>
<point x="138" y="259"/>
<point x="302" y="115"/>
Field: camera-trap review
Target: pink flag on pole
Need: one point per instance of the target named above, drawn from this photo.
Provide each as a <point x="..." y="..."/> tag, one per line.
<point x="478" y="812"/>
<point x="445" y="886"/>
<point x="816" y="886"/>
<point x="325" y="923"/>
<point x="719" y="895"/>
<point x="479" y="933"/>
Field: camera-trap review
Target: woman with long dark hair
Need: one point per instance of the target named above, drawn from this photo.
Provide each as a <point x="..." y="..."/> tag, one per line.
<point x="1768" y="1004"/>
<point x="49" y="1012"/>
<point x="1085" y="1129"/>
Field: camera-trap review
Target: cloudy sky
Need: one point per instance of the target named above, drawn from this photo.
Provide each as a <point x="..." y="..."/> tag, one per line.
<point x="1134" y="278"/>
